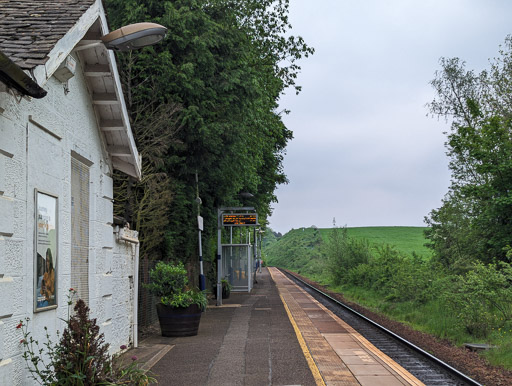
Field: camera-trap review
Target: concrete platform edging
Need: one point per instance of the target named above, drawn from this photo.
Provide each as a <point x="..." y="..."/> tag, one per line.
<point x="340" y="354"/>
<point x="309" y="358"/>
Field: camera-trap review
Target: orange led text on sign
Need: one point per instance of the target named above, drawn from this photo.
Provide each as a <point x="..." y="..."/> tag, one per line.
<point x="239" y="219"/>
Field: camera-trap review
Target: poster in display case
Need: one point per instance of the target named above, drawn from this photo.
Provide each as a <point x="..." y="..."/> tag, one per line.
<point x="46" y="253"/>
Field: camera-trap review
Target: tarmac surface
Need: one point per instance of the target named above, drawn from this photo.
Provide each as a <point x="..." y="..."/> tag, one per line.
<point x="249" y="340"/>
<point x="276" y="335"/>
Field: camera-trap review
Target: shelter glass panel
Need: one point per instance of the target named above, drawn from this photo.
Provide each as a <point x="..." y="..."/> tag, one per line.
<point x="237" y="266"/>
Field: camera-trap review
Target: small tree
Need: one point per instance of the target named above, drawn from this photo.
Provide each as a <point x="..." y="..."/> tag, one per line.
<point x="169" y="283"/>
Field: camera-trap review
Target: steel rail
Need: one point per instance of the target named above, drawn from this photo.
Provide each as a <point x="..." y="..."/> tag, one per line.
<point x="412" y="346"/>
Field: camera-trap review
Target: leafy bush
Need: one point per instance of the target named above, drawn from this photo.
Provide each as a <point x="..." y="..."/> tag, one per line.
<point x="81" y="356"/>
<point x="482" y="298"/>
<point x="167" y="279"/>
<point x="382" y="268"/>
<point x="345" y="253"/>
<point x="402" y="277"/>
<point x="184" y="299"/>
<point x="169" y="282"/>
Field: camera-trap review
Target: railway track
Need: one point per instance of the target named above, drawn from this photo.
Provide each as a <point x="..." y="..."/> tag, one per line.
<point x="423" y="365"/>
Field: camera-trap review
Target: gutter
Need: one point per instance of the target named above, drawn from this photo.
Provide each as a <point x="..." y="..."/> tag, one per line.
<point x="13" y="76"/>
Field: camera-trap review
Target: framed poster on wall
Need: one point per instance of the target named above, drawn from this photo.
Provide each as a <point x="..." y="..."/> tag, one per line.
<point x="46" y="253"/>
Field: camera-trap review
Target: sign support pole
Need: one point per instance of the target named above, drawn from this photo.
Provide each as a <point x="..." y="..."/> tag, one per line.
<point x="219" y="257"/>
<point x="202" y="281"/>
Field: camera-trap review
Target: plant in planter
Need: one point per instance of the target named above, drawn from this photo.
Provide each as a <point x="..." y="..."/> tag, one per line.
<point x="226" y="289"/>
<point x="180" y="307"/>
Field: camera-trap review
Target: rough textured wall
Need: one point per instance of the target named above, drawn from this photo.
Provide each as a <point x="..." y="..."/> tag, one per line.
<point x="37" y="140"/>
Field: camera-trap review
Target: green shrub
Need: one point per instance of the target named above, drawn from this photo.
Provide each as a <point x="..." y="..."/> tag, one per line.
<point x="185" y="299"/>
<point x="482" y="298"/>
<point x="167" y="278"/>
<point x="345" y="253"/>
<point x="362" y="275"/>
<point x="402" y="277"/>
<point x="394" y="275"/>
<point x="169" y="282"/>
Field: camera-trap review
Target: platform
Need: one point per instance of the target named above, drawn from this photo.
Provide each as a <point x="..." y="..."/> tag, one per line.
<point x="339" y="354"/>
<point x="276" y="335"/>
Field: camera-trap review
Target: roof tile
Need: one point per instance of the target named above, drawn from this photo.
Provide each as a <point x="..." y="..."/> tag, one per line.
<point x="29" y="29"/>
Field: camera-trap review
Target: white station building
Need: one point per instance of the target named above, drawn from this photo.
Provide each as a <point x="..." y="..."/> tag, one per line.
<point x="64" y="129"/>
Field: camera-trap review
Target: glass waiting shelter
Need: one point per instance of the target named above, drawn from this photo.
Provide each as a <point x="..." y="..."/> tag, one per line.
<point x="235" y="262"/>
<point x="238" y="266"/>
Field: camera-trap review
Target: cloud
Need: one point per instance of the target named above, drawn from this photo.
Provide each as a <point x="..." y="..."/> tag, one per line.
<point x="364" y="150"/>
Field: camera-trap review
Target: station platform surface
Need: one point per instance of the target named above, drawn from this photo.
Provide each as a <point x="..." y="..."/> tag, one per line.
<point x="276" y="335"/>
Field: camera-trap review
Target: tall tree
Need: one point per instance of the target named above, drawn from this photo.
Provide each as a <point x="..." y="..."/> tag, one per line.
<point x="226" y="63"/>
<point x="475" y="220"/>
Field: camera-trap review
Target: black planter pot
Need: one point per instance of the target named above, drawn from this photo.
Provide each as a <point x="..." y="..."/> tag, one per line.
<point x="225" y="292"/>
<point x="178" y="321"/>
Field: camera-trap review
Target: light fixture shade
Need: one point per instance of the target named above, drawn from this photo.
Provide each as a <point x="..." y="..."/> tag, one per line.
<point x="134" y="36"/>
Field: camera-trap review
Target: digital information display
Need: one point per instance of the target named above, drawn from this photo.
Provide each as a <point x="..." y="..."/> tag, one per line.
<point x="239" y="219"/>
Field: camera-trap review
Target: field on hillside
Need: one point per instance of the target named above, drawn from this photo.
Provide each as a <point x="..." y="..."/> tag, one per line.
<point x="303" y="250"/>
<point x="405" y="239"/>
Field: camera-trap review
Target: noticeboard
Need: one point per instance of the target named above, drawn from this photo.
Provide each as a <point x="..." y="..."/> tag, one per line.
<point x="46" y="257"/>
<point x="239" y="219"/>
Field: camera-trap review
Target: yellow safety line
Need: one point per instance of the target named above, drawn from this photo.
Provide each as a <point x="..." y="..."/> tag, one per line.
<point x="309" y="358"/>
<point x="403" y="373"/>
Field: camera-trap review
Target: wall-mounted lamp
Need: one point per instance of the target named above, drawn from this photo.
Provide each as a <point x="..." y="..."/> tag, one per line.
<point x="134" y="36"/>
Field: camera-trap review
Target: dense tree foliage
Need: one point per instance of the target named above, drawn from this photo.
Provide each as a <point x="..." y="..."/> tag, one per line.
<point x="475" y="221"/>
<point x="225" y="63"/>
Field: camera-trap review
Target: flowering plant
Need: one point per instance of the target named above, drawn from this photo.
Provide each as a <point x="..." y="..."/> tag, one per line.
<point x="80" y="357"/>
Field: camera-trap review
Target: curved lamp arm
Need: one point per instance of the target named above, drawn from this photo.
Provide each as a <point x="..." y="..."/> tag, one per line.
<point x="134" y="36"/>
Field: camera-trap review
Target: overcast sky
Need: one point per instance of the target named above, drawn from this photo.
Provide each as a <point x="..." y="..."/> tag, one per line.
<point x="364" y="150"/>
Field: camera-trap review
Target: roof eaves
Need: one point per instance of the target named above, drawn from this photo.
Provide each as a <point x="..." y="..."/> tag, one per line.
<point x="136" y="160"/>
<point x="64" y="46"/>
<point x="13" y="76"/>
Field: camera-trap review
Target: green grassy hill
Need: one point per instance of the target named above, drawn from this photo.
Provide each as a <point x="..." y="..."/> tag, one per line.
<point x="300" y="250"/>
<point x="303" y="250"/>
<point x="405" y="239"/>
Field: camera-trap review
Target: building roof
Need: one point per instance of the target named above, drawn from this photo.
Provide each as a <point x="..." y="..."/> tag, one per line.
<point x="39" y="35"/>
<point x="30" y="29"/>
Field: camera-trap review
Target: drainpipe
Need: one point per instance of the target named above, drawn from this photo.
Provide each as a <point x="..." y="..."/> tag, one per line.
<point x="121" y="236"/>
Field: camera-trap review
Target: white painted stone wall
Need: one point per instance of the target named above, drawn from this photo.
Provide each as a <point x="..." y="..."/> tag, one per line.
<point x="37" y="140"/>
